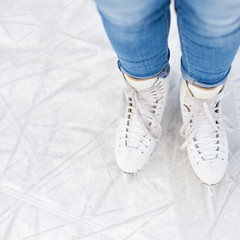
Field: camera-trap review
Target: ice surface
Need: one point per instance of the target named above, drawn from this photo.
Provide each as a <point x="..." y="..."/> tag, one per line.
<point x="59" y="98"/>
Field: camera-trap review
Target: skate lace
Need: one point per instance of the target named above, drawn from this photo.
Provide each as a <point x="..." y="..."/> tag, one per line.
<point x="203" y="126"/>
<point x="141" y="106"/>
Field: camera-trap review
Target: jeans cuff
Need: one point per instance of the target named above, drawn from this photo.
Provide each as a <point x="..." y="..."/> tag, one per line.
<point x="162" y="74"/>
<point x="193" y="81"/>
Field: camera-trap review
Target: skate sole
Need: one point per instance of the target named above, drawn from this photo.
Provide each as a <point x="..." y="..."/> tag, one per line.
<point x="129" y="173"/>
<point x="207" y="183"/>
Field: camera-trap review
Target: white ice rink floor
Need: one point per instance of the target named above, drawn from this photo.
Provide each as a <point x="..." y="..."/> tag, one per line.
<point x="59" y="104"/>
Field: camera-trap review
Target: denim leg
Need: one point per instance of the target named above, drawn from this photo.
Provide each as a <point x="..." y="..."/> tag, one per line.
<point x="210" y="36"/>
<point x="138" y="31"/>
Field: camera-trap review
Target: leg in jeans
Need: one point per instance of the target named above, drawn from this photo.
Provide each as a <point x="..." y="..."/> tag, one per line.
<point x="138" y="32"/>
<point x="210" y="37"/>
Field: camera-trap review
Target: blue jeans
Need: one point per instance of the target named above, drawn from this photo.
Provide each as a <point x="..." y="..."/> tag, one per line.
<point x="209" y="32"/>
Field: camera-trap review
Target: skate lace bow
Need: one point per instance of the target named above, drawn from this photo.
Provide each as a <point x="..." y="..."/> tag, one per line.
<point x="141" y="106"/>
<point x="203" y="126"/>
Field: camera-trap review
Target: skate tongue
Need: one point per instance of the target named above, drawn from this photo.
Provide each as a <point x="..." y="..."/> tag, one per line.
<point x="204" y="93"/>
<point x="141" y="84"/>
